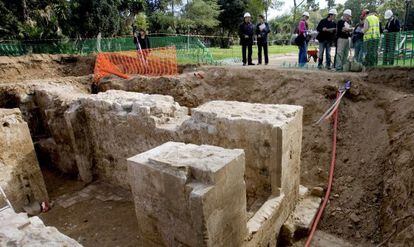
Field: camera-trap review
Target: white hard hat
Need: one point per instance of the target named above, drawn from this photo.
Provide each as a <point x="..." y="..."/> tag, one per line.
<point x="306" y="14"/>
<point x="348" y="12"/>
<point x="333" y="12"/>
<point x="247" y="15"/>
<point x="388" y="14"/>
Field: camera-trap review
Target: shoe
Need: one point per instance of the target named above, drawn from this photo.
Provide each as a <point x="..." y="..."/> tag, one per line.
<point x="266" y="63"/>
<point x="259" y="63"/>
<point x="251" y="64"/>
<point x="244" y="64"/>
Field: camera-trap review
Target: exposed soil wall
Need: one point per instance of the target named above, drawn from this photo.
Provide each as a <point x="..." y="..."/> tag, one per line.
<point x="39" y="66"/>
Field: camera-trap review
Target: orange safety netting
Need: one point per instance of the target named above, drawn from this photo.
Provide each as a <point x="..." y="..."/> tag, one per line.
<point x="153" y="62"/>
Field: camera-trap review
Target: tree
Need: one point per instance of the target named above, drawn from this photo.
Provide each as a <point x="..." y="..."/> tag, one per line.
<point x="9" y="23"/>
<point x="357" y="6"/>
<point x="201" y="14"/>
<point x="255" y="8"/>
<point x="272" y="4"/>
<point x="230" y="17"/>
<point x="330" y="3"/>
<point x="91" y="17"/>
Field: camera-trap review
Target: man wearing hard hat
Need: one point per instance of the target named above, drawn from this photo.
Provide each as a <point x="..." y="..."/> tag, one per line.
<point x="344" y="32"/>
<point x="326" y="37"/>
<point x="390" y="38"/>
<point x="372" y="34"/>
<point x="246" y="32"/>
<point x="301" y="40"/>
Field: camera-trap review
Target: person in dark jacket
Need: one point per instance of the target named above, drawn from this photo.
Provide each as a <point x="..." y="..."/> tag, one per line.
<point x="391" y="31"/>
<point x="246" y="32"/>
<point x="142" y="43"/>
<point x="141" y="40"/>
<point x="262" y="30"/>
<point x="358" y="41"/>
<point x="326" y="36"/>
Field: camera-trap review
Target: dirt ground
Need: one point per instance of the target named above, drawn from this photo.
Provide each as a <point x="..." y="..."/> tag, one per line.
<point x="90" y="222"/>
<point x="372" y="200"/>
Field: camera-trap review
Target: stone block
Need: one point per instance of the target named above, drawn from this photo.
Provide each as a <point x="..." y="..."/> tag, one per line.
<point x="270" y="135"/>
<point x="53" y="101"/>
<point x="189" y="195"/>
<point x="20" y="174"/>
<point x="109" y="127"/>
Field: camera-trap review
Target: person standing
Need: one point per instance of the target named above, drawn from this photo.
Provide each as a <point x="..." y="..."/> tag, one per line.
<point x="246" y="32"/>
<point x="142" y="43"/>
<point x="358" y="42"/>
<point x="344" y="31"/>
<point x="372" y="33"/>
<point x="326" y="36"/>
<point x="391" y="31"/>
<point x="301" y="40"/>
<point x="262" y="30"/>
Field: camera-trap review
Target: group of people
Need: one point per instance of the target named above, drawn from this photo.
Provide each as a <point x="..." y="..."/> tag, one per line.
<point x="364" y="37"/>
<point x="247" y="32"/>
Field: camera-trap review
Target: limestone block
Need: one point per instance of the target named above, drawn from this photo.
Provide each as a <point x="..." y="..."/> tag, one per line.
<point x="300" y="220"/>
<point x="53" y="101"/>
<point x="109" y="127"/>
<point x="189" y="195"/>
<point x="20" y="174"/>
<point x="270" y="135"/>
<point x="19" y="230"/>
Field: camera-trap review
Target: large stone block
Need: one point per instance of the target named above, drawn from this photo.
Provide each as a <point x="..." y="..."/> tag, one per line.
<point x="188" y="195"/>
<point x="109" y="127"/>
<point x="20" y="174"/>
<point x="270" y="135"/>
<point x="53" y="102"/>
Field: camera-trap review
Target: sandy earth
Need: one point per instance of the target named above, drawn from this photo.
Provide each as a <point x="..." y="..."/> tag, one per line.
<point x="372" y="200"/>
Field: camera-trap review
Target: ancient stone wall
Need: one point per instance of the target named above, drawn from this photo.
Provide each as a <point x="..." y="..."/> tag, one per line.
<point x="53" y="102"/>
<point x="95" y="134"/>
<point x="20" y="174"/>
<point x="112" y="126"/>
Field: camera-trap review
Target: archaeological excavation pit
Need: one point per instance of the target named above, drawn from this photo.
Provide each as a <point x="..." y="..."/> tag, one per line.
<point x="225" y="160"/>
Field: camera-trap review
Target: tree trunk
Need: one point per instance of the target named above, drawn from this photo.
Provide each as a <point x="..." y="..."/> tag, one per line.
<point x="24" y="7"/>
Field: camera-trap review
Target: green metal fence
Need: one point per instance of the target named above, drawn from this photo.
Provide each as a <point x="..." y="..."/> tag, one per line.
<point x="189" y="49"/>
<point x="392" y="49"/>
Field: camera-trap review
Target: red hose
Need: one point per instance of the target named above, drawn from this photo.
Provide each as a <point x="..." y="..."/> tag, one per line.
<point x="331" y="174"/>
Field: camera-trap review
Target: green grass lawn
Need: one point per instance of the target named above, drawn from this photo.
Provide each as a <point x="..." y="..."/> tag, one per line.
<point x="235" y="51"/>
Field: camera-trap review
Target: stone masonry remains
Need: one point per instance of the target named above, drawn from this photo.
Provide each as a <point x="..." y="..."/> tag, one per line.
<point x="20" y="174"/>
<point x="95" y="134"/>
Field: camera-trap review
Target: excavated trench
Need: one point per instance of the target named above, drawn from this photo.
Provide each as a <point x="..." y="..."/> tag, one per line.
<point x="372" y="199"/>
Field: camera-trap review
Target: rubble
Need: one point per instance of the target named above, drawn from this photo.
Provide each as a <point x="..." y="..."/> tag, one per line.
<point x="20" y="230"/>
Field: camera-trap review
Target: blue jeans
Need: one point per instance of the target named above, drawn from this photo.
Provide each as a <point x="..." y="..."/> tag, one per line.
<point x="303" y="54"/>
<point x="324" y="45"/>
<point x="359" y="51"/>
